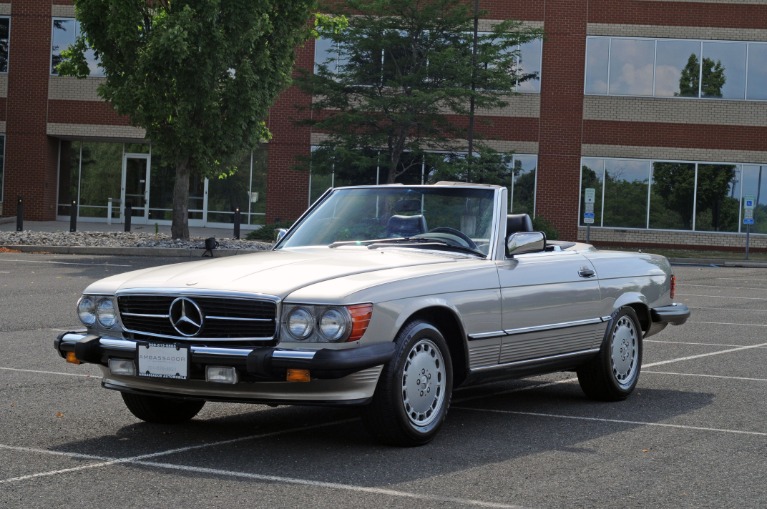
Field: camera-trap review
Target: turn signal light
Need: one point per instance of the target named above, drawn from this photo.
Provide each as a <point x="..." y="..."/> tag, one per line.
<point x="72" y="358"/>
<point x="298" y="375"/>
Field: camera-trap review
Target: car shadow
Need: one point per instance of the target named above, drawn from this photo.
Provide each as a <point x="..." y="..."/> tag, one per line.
<point x="486" y="424"/>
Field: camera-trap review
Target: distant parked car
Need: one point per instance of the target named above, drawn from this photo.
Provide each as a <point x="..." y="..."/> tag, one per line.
<point x="385" y="297"/>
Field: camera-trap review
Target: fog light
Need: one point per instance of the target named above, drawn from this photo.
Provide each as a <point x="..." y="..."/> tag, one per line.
<point x="124" y="367"/>
<point x="71" y="357"/>
<point x="221" y="375"/>
<point x="298" y="375"/>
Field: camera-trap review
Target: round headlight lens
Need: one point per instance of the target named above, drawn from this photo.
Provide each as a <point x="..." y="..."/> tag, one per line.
<point x="300" y="323"/>
<point x="86" y="310"/>
<point x="105" y="312"/>
<point x="333" y="324"/>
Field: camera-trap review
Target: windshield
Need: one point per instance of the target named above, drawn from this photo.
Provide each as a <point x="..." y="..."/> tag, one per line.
<point x="420" y="216"/>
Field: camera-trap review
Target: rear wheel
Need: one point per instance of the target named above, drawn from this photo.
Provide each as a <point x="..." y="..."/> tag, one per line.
<point x="614" y="373"/>
<point x="414" y="390"/>
<point x="162" y="410"/>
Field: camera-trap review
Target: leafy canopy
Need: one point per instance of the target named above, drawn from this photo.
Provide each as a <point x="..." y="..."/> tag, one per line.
<point x="399" y="76"/>
<point x="198" y="75"/>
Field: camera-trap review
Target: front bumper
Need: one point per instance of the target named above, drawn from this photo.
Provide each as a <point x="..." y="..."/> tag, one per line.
<point x="675" y="314"/>
<point x="259" y="363"/>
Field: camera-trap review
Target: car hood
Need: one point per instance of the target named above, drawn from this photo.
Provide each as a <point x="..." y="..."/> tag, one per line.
<point x="277" y="273"/>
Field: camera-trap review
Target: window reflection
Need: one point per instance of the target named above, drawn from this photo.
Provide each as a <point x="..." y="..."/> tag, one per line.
<point x="626" y="187"/>
<point x="597" y="59"/>
<point x="671" y="201"/>
<point x="724" y="70"/>
<point x="523" y="184"/>
<point x="64" y="33"/>
<point x="631" y="66"/>
<point x="4" y="28"/>
<point x="717" y="198"/>
<point x="757" y="71"/>
<point x="592" y="177"/>
<point x="529" y="65"/>
<point x="677" y="69"/>
<point x="755" y="185"/>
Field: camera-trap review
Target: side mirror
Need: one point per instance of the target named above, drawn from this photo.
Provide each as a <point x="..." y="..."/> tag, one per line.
<point x="280" y="233"/>
<point x="525" y="242"/>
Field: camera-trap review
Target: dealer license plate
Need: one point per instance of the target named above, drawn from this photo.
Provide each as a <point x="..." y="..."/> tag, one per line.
<point x="160" y="360"/>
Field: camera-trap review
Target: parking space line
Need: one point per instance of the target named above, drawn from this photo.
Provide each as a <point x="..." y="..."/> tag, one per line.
<point x="616" y="421"/>
<point x="332" y="485"/>
<point x="730" y="323"/>
<point x="742" y="378"/>
<point x="720" y="296"/>
<point x="699" y="356"/>
<point x="55" y="262"/>
<point x="672" y="342"/>
<point x="687" y="285"/>
<point x="142" y="460"/>
<point x="49" y="372"/>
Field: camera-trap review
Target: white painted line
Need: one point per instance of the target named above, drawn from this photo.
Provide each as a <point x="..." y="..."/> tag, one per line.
<point x="719" y="296"/>
<point x="51" y="372"/>
<point x="700" y="356"/>
<point x="331" y="485"/>
<point x="740" y="378"/>
<point x="672" y="342"/>
<point x="618" y="421"/>
<point x="142" y="460"/>
<point x="731" y="323"/>
<point x="688" y="285"/>
<point x="698" y="308"/>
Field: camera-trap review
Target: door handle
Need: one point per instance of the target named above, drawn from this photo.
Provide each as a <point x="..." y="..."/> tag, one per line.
<point x="586" y="272"/>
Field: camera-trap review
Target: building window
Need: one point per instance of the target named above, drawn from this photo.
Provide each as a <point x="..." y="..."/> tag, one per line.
<point x="327" y="53"/>
<point x="674" y="195"/>
<point x="2" y="165"/>
<point x="676" y="68"/>
<point x="5" y="27"/>
<point x="64" y="33"/>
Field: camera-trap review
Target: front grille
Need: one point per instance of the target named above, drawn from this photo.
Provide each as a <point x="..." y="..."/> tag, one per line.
<point x="223" y="318"/>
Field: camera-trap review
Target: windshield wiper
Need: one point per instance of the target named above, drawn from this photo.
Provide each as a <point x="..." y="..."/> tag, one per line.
<point x="422" y="243"/>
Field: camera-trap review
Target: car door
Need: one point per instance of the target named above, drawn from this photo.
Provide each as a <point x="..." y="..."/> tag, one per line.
<point x="551" y="307"/>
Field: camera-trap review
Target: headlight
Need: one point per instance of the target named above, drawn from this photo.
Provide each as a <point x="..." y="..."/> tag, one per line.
<point x="105" y="312"/>
<point x="325" y="324"/>
<point x="300" y="323"/>
<point x="86" y="310"/>
<point x="334" y="324"/>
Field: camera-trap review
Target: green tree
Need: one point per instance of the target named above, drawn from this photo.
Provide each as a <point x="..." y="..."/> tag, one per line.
<point x="400" y="84"/>
<point x="713" y="78"/>
<point x="198" y="75"/>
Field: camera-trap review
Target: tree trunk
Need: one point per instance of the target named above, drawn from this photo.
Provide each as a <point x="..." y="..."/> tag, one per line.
<point x="180" y="226"/>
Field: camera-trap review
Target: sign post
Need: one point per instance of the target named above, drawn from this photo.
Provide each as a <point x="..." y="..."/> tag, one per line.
<point x="588" y="214"/>
<point x="748" y="218"/>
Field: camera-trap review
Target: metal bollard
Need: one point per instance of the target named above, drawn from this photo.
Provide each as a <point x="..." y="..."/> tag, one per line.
<point x="128" y="215"/>
<point x="237" y="223"/>
<point x="73" y="217"/>
<point x="20" y="215"/>
<point x="109" y="211"/>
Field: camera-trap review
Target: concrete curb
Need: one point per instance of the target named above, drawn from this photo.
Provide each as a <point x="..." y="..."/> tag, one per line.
<point x="131" y="251"/>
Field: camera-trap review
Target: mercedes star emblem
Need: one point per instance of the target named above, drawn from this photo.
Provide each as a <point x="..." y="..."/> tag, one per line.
<point x="186" y="316"/>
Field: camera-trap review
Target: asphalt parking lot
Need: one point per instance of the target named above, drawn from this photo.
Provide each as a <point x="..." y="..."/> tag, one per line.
<point x="694" y="434"/>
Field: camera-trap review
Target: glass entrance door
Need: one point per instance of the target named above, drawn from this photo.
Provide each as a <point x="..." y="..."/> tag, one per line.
<point x="135" y="187"/>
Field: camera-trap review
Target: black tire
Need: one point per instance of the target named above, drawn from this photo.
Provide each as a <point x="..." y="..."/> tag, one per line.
<point x="613" y="374"/>
<point x="414" y="391"/>
<point x="162" y="410"/>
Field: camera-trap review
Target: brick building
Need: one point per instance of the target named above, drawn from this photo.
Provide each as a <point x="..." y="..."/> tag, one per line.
<point x="659" y="106"/>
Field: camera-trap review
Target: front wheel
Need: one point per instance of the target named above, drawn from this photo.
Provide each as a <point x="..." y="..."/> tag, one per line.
<point x="614" y="373"/>
<point x="413" y="393"/>
<point x="162" y="410"/>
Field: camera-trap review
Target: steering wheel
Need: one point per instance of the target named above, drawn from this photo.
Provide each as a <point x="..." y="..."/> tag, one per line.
<point x="464" y="240"/>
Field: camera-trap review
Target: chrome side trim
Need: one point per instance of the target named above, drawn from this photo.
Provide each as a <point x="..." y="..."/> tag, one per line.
<point x="130" y="346"/>
<point x="539" y="359"/>
<point x="487" y="335"/>
<point x="554" y="326"/>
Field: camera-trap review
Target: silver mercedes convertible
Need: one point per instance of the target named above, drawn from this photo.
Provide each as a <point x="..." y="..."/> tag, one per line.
<point x="384" y="297"/>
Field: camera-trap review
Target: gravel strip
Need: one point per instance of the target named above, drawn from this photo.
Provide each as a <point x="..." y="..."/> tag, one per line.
<point x="120" y="239"/>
